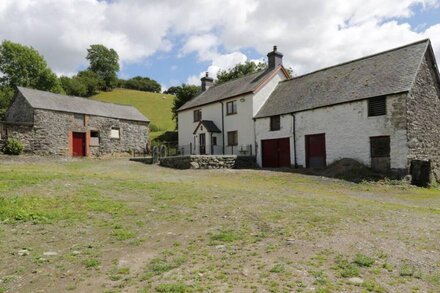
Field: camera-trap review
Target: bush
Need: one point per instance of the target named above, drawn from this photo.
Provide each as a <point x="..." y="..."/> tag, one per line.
<point x="13" y="147"/>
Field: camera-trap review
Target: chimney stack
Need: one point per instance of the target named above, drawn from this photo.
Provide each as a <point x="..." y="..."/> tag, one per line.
<point x="274" y="58"/>
<point x="207" y="82"/>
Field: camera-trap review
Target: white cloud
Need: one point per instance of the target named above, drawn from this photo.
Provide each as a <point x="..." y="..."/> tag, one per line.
<point x="310" y="33"/>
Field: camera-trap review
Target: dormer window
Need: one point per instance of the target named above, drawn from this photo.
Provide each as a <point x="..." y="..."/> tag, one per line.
<point x="197" y="115"/>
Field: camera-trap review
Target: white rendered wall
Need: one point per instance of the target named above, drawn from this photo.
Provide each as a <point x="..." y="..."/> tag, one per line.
<point x="347" y="129"/>
<point x="263" y="94"/>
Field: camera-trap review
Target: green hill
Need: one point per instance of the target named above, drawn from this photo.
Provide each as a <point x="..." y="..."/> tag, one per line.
<point x="157" y="107"/>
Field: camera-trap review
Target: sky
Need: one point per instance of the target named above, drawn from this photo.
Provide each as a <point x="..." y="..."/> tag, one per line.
<point x="176" y="41"/>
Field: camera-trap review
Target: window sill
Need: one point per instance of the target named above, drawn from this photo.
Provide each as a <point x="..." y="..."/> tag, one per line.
<point x="230" y="114"/>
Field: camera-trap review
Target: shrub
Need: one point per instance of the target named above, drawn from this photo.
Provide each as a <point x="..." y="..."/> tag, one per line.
<point x="363" y="260"/>
<point x="13" y="147"/>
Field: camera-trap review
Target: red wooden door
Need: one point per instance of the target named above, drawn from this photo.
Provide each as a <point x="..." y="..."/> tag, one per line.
<point x="78" y="144"/>
<point x="276" y="153"/>
<point x="315" y="151"/>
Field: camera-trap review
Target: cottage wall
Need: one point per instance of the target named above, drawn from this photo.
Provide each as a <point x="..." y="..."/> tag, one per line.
<point x="347" y="129"/>
<point x="423" y="112"/>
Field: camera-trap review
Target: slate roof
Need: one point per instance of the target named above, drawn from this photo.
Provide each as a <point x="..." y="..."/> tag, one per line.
<point x="50" y="101"/>
<point x="239" y="86"/>
<point x="384" y="73"/>
<point x="209" y="125"/>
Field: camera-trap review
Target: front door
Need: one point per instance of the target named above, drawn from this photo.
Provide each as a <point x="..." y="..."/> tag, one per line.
<point x="78" y="144"/>
<point x="276" y="153"/>
<point x="315" y="151"/>
<point x="202" y="140"/>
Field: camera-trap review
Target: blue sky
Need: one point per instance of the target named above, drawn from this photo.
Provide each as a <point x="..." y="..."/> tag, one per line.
<point x="175" y="42"/>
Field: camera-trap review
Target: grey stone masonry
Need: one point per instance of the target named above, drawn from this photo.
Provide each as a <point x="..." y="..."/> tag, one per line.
<point x="51" y="131"/>
<point x="208" y="162"/>
<point x="423" y="117"/>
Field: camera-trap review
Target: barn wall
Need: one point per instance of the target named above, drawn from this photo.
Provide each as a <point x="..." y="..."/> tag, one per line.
<point x="51" y="134"/>
<point x="20" y="111"/>
<point x="347" y="129"/>
<point x="424" y="117"/>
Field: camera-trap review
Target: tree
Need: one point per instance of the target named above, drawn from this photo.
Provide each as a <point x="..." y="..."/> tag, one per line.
<point x="23" y="66"/>
<point x="239" y="70"/>
<point x="183" y="93"/>
<point x="141" y="84"/>
<point x="172" y="90"/>
<point x="105" y="63"/>
<point x="85" y="84"/>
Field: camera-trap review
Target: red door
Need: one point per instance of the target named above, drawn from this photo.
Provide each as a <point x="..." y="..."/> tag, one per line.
<point x="276" y="153"/>
<point x="315" y="151"/>
<point x="78" y="144"/>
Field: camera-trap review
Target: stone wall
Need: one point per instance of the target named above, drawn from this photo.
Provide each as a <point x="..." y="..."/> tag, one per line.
<point x="20" y="111"/>
<point x="423" y="117"/>
<point x="208" y="162"/>
<point x="51" y="134"/>
<point x="23" y="133"/>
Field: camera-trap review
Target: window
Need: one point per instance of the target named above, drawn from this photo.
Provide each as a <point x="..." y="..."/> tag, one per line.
<point x="232" y="138"/>
<point x="275" y="123"/>
<point x="115" y="132"/>
<point x="380" y="146"/>
<point x="197" y="115"/>
<point x="79" y="119"/>
<point x="231" y="108"/>
<point x="214" y="140"/>
<point x="94" y="138"/>
<point x="377" y="106"/>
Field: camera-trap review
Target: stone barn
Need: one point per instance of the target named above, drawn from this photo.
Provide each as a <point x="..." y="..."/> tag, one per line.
<point x="53" y="124"/>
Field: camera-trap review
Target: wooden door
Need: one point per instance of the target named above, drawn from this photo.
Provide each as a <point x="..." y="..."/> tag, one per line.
<point x="315" y="151"/>
<point x="78" y="144"/>
<point x="202" y="141"/>
<point x="276" y="153"/>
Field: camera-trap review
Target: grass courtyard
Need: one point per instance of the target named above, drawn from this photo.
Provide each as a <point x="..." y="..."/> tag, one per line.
<point x="119" y="226"/>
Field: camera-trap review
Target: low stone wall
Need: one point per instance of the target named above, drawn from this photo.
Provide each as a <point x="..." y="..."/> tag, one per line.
<point x="208" y="162"/>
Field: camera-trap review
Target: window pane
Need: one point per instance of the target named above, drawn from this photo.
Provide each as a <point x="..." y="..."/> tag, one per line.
<point x="114" y="133"/>
<point x="275" y="123"/>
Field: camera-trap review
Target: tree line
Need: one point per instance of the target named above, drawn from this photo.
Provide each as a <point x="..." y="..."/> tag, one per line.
<point x="24" y="66"/>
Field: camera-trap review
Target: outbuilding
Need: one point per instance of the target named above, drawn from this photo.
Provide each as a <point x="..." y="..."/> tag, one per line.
<point x="53" y="124"/>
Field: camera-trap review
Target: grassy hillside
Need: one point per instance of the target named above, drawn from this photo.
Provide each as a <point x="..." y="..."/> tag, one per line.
<point x="157" y="107"/>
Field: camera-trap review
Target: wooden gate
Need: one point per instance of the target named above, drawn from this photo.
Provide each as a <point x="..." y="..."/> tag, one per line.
<point x="276" y="153"/>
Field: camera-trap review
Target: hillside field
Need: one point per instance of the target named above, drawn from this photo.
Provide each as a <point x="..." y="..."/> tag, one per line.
<point x="156" y="107"/>
<point x="70" y="225"/>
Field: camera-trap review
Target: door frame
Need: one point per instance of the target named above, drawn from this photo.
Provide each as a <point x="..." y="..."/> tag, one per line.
<point x="277" y="151"/>
<point x="306" y="141"/>
<point x="202" y="147"/>
<point x="84" y="135"/>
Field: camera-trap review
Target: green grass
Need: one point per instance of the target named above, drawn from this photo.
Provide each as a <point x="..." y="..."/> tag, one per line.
<point x="120" y="226"/>
<point x="157" y="107"/>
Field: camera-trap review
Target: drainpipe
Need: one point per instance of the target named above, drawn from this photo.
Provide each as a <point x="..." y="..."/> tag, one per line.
<point x="294" y="138"/>
<point x="223" y="129"/>
<point x="255" y="138"/>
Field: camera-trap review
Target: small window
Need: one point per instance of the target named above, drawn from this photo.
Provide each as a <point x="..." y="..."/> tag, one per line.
<point x="214" y="140"/>
<point x="232" y="138"/>
<point x="79" y="119"/>
<point x="94" y="138"/>
<point x="115" y="132"/>
<point x="377" y="106"/>
<point x="197" y="115"/>
<point x="275" y="123"/>
<point x="231" y="108"/>
<point x="380" y="146"/>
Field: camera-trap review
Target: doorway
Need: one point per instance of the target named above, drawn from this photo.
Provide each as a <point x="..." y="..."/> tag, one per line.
<point x="315" y="151"/>
<point x="78" y="144"/>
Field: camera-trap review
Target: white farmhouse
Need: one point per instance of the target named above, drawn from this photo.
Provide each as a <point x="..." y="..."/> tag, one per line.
<point x="220" y="119"/>
<point x="382" y="110"/>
